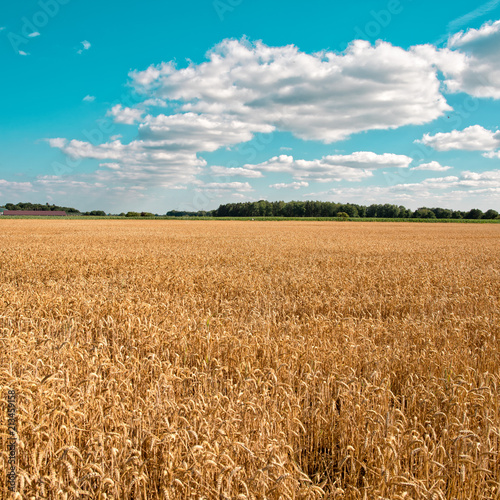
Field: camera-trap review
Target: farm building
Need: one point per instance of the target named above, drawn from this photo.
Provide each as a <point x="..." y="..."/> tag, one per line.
<point x="35" y="212"/>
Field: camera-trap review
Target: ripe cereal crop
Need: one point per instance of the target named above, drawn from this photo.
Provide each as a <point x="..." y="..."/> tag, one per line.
<point x="251" y="360"/>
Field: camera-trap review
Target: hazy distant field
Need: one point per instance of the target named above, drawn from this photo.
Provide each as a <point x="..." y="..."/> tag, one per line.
<point x="235" y="360"/>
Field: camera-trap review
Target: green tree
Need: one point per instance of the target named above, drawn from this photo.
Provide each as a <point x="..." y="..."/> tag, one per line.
<point x="98" y="213"/>
<point x="372" y="211"/>
<point x="424" y="213"/>
<point x="349" y="209"/>
<point x="490" y="214"/>
<point x="442" y="213"/>
<point x="475" y="213"/>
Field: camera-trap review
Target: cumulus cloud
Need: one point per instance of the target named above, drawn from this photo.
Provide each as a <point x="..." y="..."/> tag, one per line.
<point x="431" y="183"/>
<point x="354" y="167"/>
<point x="473" y="138"/>
<point x="167" y="147"/>
<point x="480" y="76"/>
<point x="128" y="116"/>
<point x="488" y="179"/>
<point x="431" y="166"/>
<point x="291" y="185"/>
<point x="159" y="103"/>
<point x="466" y="179"/>
<point x="57" y="142"/>
<point x="199" y="132"/>
<point x="368" y="159"/>
<point x="139" y="162"/>
<point x="325" y="96"/>
<point x="469" y="62"/>
<point x="464" y="39"/>
<point x="247" y="88"/>
<point x="479" y="188"/>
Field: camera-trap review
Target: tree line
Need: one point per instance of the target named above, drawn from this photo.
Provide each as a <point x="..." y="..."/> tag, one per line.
<point x="264" y="208"/>
<point x="39" y="207"/>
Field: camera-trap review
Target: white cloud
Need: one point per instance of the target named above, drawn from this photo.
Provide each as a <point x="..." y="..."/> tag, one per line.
<point x="57" y="142"/>
<point x="368" y="159"/>
<point x="353" y="167"/>
<point x="324" y="96"/>
<point x="85" y="46"/>
<point x="480" y="76"/>
<point x="470" y="16"/>
<point x="244" y="88"/>
<point x="218" y="171"/>
<point x="469" y="62"/>
<point x="291" y="185"/>
<point x="463" y="39"/>
<point x="128" y="116"/>
<point x="140" y="162"/>
<point x="473" y="138"/>
<point x="431" y="183"/>
<point x="89" y="98"/>
<point x="22" y="53"/>
<point x="74" y="190"/>
<point x="112" y="166"/>
<point x="22" y="187"/>
<point x="431" y="166"/>
<point x="481" y="189"/>
<point x="34" y="34"/>
<point x="160" y="103"/>
<point x="488" y="179"/>
<point x="226" y="186"/>
<point x="53" y="181"/>
<point x="198" y="132"/>
<point x="166" y="151"/>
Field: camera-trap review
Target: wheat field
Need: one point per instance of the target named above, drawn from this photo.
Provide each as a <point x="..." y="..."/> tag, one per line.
<point x="251" y="360"/>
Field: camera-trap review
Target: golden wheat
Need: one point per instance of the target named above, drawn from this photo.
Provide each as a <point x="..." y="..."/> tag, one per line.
<point x="251" y="360"/>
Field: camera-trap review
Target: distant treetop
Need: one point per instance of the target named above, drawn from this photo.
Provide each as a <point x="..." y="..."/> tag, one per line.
<point x="39" y="207"/>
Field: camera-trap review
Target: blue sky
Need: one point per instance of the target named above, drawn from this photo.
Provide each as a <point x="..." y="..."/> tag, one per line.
<point x="159" y="105"/>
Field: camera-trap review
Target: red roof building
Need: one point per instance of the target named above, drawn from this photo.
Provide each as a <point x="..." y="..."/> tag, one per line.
<point x="35" y="212"/>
